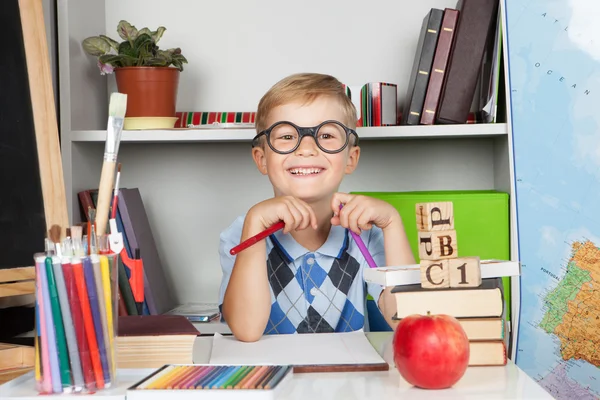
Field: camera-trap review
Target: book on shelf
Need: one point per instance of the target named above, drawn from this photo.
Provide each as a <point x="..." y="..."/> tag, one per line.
<point x="456" y="72"/>
<point x="411" y="274"/>
<point x="438" y="68"/>
<point x="151" y="341"/>
<point x="420" y="73"/>
<point x="197" y="312"/>
<point x="466" y="55"/>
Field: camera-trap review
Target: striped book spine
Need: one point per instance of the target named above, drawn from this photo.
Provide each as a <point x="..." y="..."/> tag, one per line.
<point x="186" y="118"/>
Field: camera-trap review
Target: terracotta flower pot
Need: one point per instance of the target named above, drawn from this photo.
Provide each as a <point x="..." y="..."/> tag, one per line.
<point x="151" y="91"/>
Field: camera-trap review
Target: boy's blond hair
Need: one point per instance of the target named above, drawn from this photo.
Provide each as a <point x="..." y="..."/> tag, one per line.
<point x="305" y="87"/>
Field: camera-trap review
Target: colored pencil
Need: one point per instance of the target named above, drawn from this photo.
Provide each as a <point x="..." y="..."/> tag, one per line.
<point x="270" y="373"/>
<point x="195" y="377"/>
<point x="72" y="345"/>
<point x="146" y="384"/>
<point x="57" y="319"/>
<point x="50" y="332"/>
<point x="78" y="325"/>
<point x="45" y="353"/>
<point x="108" y="302"/>
<point x="189" y="370"/>
<point x="256" y="238"/>
<point x="102" y="307"/>
<point x="208" y="377"/>
<point x="277" y="377"/>
<point x="88" y="323"/>
<point x="361" y="246"/>
<point x="90" y="283"/>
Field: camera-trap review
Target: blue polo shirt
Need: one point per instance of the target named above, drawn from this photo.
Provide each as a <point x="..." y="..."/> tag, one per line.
<point x="320" y="291"/>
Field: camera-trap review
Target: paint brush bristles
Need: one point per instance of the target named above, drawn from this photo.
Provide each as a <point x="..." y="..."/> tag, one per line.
<point x="116" y="118"/>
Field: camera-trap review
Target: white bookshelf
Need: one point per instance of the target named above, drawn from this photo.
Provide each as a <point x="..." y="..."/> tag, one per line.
<point x="195" y="182"/>
<point x="246" y="135"/>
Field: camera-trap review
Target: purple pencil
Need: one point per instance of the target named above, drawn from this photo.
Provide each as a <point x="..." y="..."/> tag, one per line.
<point x="363" y="249"/>
<point x="88" y="272"/>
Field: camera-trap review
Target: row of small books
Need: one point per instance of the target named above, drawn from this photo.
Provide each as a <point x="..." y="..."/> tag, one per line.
<point x="457" y="50"/>
<point x="480" y="310"/>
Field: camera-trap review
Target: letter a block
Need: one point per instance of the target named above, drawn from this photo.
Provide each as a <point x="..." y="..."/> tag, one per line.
<point x="435" y="274"/>
<point x="435" y="216"/>
<point x="465" y="272"/>
<point x="438" y="245"/>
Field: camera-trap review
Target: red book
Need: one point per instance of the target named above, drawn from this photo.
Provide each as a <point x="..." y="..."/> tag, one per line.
<point x="438" y="69"/>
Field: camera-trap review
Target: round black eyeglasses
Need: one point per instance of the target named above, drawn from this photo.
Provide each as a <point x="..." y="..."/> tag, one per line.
<point x="284" y="137"/>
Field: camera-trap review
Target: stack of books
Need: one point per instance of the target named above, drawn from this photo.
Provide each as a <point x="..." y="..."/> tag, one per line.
<point x="151" y="341"/>
<point x="479" y="310"/>
<point x="444" y="283"/>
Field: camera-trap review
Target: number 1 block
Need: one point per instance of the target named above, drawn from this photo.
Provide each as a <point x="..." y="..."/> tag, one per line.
<point x="464" y="272"/>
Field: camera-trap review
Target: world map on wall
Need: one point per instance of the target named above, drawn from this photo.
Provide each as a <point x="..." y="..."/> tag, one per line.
<point x="554" y="64"/>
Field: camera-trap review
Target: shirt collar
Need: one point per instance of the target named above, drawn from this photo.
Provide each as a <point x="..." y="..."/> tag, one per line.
<point x="335" y="245"/>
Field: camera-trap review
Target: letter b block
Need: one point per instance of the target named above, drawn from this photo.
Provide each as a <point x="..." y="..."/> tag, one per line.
<point x="435" y="216"/>
<point x="435" y="274"/>
<point x="465" y="272"/>
<point x="438" y="245"/>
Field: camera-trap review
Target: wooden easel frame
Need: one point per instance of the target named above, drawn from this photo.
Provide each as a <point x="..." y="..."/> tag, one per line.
<point x="19" y="281"/>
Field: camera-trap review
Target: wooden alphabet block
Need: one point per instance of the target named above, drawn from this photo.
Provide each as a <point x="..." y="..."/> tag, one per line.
<point x="465" y="272"/>
<point x="435" y="216"/>
<point x="438" y="245"/>
<point x="435" y="274"/>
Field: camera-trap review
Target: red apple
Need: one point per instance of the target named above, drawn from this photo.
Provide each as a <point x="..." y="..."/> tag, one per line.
<point x="431" y="351"/>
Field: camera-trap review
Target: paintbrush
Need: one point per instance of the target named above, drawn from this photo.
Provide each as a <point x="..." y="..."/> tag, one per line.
<point x="116" y="117"/>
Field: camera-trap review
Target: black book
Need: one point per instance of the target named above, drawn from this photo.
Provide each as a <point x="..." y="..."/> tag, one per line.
<point x="419" y="77"/>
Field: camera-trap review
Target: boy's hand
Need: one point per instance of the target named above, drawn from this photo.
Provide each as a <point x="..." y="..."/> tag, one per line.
<point x="361" y="212"/>
<point x="296" y="213"/>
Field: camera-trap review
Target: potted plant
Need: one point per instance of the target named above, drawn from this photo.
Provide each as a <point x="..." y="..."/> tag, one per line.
<point x="148" y="75"/>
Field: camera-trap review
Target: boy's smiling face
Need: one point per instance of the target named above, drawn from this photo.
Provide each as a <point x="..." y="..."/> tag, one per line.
<point x="307" y="173"/>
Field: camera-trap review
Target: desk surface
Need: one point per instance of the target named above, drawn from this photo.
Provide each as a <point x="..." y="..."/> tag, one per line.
<point x="507" y="382"/>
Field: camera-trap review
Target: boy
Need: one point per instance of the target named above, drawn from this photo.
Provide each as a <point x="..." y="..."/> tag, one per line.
<point x="307" y="277"/>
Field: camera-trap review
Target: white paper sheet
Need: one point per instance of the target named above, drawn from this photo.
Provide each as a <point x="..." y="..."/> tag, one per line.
<point x="296" y="349"/>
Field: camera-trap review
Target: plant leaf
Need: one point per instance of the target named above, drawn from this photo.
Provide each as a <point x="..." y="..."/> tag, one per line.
<point x="111" y="42"/>
<point x="95" y="46"/>
<point x="127" y="31"/>
<point x="157" y="62"/>
<point x="157" y="34"/>
<point x="145" y="31"/>
<point x="143" y="41"/>
<point x="125" y="48"/>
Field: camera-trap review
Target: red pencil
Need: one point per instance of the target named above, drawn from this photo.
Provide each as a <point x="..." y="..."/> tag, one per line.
<point x="257" y="238"/>
<point x="77" y="314"/>
<point x="88" y="323"/>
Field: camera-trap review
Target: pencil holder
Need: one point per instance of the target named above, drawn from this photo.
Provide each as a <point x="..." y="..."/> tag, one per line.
<point x="76" y="317"/>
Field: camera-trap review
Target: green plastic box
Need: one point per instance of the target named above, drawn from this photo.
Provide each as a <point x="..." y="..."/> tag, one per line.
<point x="481" y="221"/>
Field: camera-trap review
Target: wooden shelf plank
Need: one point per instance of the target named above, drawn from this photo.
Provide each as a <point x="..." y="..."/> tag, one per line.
<point x="246" y="135"/>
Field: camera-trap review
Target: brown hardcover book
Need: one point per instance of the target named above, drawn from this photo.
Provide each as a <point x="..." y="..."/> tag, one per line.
<point x="151" y="341"/>
<point x="155" y="325"/>
<point x="474" y="25"/>
<point x="440" y="63"/>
